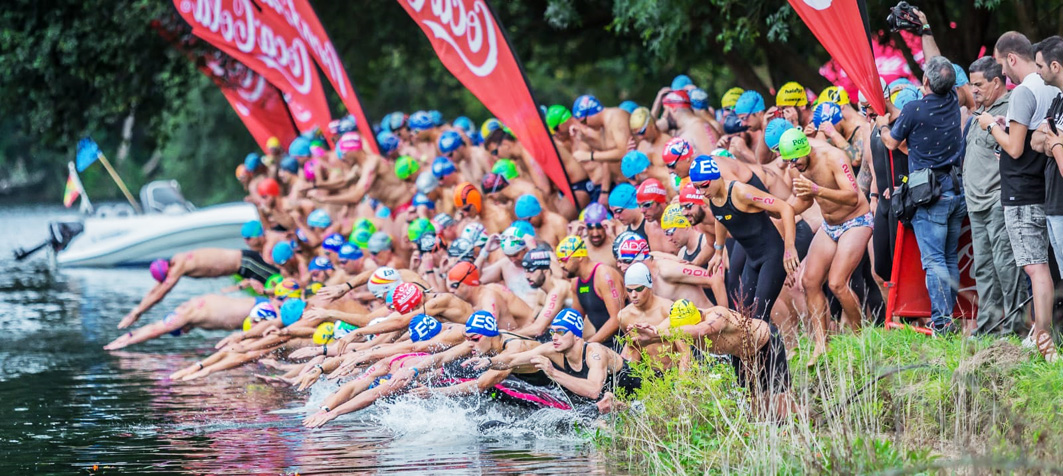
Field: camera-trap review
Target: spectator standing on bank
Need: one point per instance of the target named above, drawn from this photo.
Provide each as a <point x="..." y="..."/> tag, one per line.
<point x="1048" y="55"/>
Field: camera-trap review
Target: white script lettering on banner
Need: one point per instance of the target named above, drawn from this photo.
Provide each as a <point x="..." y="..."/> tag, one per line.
<point x="474" y="26"/>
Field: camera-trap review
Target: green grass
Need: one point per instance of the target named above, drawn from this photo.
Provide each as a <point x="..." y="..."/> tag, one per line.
<point x="945" y="405"/>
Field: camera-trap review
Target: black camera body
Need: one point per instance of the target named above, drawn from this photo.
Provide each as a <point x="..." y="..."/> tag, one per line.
<point x="903" y="17"/>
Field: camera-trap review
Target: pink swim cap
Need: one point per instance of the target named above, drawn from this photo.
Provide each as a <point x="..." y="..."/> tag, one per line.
<point x="159" y="269"/>
<point x="308" y="170"/>
<point x="349" y="142"/>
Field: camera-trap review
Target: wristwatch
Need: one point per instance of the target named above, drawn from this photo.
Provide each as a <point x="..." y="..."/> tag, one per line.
<point x="989" y="128"/>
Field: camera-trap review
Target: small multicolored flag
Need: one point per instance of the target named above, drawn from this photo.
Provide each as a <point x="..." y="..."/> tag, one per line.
<point x="70" y="195"/>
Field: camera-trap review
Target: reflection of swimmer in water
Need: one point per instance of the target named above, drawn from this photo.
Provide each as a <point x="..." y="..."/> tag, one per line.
<point x="205" y="312"/>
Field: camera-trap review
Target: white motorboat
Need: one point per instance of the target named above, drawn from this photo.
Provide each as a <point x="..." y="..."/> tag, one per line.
<point x="116" y="236"/>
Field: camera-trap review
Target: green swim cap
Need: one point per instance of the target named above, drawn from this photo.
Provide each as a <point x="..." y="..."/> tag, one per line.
<point x="406" y="167"/>
<point x="365" y="223"/>
<point x="793" y="145"/>
<point x="506" y="168"/>
<point x="555" y="115"/>
<point x="419" y="227"/>
<point x="271" y="282"/>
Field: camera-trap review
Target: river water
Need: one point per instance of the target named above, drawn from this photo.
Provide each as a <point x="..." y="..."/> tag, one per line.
<point x="69" y="407"/>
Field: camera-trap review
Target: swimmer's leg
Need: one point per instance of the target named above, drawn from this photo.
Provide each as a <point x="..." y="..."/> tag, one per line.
<point x="148" y="332"/>
<point x="232" y="360"/>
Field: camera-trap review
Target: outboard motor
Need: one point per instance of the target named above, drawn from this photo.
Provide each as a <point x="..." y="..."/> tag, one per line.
<point x="62" y="233"/>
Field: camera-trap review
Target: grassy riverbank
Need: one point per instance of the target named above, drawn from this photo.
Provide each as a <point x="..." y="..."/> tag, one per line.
<point x="943" y="405"/>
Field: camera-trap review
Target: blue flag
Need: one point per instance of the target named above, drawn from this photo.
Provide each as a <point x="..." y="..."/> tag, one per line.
<point x="88" y="152"/>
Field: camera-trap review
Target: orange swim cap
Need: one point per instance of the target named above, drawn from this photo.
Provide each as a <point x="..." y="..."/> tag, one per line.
<point x="467" y="194"/>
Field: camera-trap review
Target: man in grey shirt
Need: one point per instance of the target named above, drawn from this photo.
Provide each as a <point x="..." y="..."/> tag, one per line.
<point x="1001" y="287"/>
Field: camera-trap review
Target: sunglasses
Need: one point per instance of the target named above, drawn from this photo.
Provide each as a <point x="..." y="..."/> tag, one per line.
<point x="670" y="231"/>
<point x="494" y="151"/>
<point x="473" y="337"/>
<point x="672" y="165"/>
<point x="558" y="332"/>
<point x="617" y="211"/>
<point x="646" y="204"/>
<point x="636" y="289"/>
<point x="687" y="206"/>
<point x="596" y="226"/>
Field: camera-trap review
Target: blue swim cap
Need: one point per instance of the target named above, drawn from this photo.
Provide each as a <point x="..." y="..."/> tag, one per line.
<point x="628" y="106"/>
<point x="251" y="229"/>
<point x="421" y="121"/>
<point x="442" y="166"/>
<point x="350" y="252"/>
<point x="252" y="162"/>
<point x="826" y="112"/>
<point x="300" y="147"/>
<point x="634" y="163"/>
<point x="333" y="242"/>
<point x="750" y="102"/>
<point x="570" y="319"/>
<point x="292" y="311"/>
<point x="421" y="199"/>
<point x="699" y="99"/>
<point x="681" y="82"/>
<point x="387" y="141"/>
<point x="961" y="75"/>
<point x="527" y="206"/>
<point x="524" y="227"/>
<point x="282" y="252"/>
<point x="476" y="138"/>
<point x="394" y="121"/>
<point x="906" y="95"/>
<point x="319" y="219"/>
<point x="424" y="327"/>
<point x="383" y="212"/>
<point x="703" y="168"/>
<point x="320" y="263"/>
<point x="586" y="106"/>
<point x="301" y="235"/>
<point x="482" y="323"/>
<point x="437" y="117"/>
<point x="623" y="196"/>
<point x="899" y="82"/>
<point x="449" y="141"/>
<point x="464" y="123"/>
<point x="289" y="164"/>
<point x="732" y="125"/>
<point x="774" y="131"/>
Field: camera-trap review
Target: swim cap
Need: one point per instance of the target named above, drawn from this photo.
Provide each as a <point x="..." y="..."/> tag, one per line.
<point x="463" y="123"/>
<point x="774" y="130"/>
<point x="421" y="121"/>
<point x="424" y="327"/>
<point x="634" y="163"/>
<point x="730" y="98"/>
<point x="349" y="252"/>
<point x="651" y="190"/>
<point x="282" y="252"/>
<point x="673" y="218"/>
<point x="333" y="242"/>
<point x="586" y="106"/>
<point x="466" y="194"/>
<point x="482" y="323"/>
<point x="289" y="164"/>
<point x="791" y="94"/>
<point x="317" y="149"/>
<point x="570" y="319"/>
<point x="677" y="99"/>
<point x="595" y="213"/>
<point x="241" y="171"/>
<point x="689" y="194"/>
<point x="527" y="206"/>
<point x="683" y="313"/>
<point x="639" y="120"/>
<point x="675" y="150"/>
<point x="308" y="170"/>
<point x="733" y="125"/>
<point x="422" y="200"/>
<point x="899" y="82"/>
<point x="300" y="147"/>
<point x="286" y="288"/>
<point x="571" y="246"/>
<point x="681" y="82"/>
<point x="292" y="311"/>
<point x="272" y="282"/>
<point x="525" y="227"/>
<point x="247" y="324"/>
<point x="363" y="229"/>
<point x="251" y="229"/>
<point x="793" y="145"/>
<point x="638" y="274"/>
<point x="437" y="117"/>
<point x="449" y="141"/>
<point x="623" y="196"/>
<point x="262" y="311"/>
<point x="630" y="246"/>
<point x="475" y="233"/>
<point x="826" y="112"/>
<point x="349" y="142"/>
<point x="419" y="227"/>
<point x="512" y="241"/>
<point x="493" y="183"/>
<point x="405" y="167"/>
<point x="407" y="297"/>
<point x="320" y="263"/>
<point x="273" y="143"/>
<point x="443" y="221"/>
<point x="506" y="168"/>
<point x="159" y="269"/>
<point x="313" y="288"/>
<point x="961" y="76"/>
<point x="342" y="329"/>
<point x="536" y="258"/>
<point x="833" y="94"/>
<point x="489" y="126"/>
<point x="426" y="182"/>
<point x="459" y="248"/>
<point x="905" y="96"/>
<point x="324" y="333"/>
<point x="387" y="141"/>
<point x="384" y="279"/>
<point x="704" y="168"/>
<point x="319" y="219"/>
<point x="464" y="272"/>
<point x="268" y="187"/>
<point x="301" y="236"/>
<point x="629" y="106"/>
<point x="378" y="242"/>
<point x="750" y="102"/>
<point x="442" y="166"/>
<point x="252" y="162"/>
<point x="699" y="99"/>
<point x="556" y="115"/>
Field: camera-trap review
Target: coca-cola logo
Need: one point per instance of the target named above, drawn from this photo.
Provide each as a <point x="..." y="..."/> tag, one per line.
<point x="236" y="23"/>
<point x="819" y="4"/>
<point x="323" y="50"/>
<point x="475" y="27"/>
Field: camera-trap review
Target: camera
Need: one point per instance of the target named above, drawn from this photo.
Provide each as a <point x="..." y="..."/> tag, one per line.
<point x="903" y="17"/>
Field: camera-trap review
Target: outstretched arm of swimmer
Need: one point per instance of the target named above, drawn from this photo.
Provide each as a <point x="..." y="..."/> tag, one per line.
<point x="483" y="383"/>
<point x="153" y="297"/>
<point x="712" y="324"/>
<point x="510" y="361"/>
<point x="394" y="322"/>
<point x="440" y="359"/>
<point x="147" y="332"/>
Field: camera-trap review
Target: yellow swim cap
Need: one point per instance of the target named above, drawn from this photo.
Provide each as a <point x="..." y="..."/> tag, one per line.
<point x="731" y="97"/>
<point x="273" y="143"/>
<point x="791" y="94"/>
<point x="287" y="288"/>
<point x="835" y="95"/>
<point x="673" y="218"/>
<point x="683" y="313"/>
<point x="324" y="333"/>
<point x="247" y="323"/>
<point x="640" y="118"/>
<point x="571" y="246"/>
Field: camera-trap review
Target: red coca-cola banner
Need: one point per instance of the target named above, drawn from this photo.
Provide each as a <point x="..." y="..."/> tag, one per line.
<point x="258" y="103"/>
<point x="889" y="60"/>
<point x="301" y="17"/>
<point x="470" y="42"/>
<point x="272" y="49"/>
<point x="839" y="26"/>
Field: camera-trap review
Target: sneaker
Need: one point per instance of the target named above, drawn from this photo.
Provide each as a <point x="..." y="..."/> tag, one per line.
<point x="945" y="328"/>
<point x="1028" y="342"/>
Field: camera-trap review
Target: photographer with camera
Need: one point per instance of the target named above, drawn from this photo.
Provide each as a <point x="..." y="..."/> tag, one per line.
<point x="932" y="128"/>
<point x="911" y="19"/>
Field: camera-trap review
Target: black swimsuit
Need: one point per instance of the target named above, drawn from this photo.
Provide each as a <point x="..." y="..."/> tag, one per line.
<point x="689" y="256"/>
<point x="252" y="266"/>
<point x="593" y="305"/>
<point x="622" y="379"/>
<point x="538" y="377"/>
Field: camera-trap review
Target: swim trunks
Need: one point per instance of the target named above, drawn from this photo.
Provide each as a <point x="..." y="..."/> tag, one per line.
<point x="769" y="367"/>
<point x="835" y="232"/>
<point x="252" y="266"/>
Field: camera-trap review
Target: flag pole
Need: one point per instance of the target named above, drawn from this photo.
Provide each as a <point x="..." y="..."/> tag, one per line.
<point x="118" y="180"/>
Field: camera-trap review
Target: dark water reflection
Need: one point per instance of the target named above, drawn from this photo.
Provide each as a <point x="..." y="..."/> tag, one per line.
<point x="66" y="405"/>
